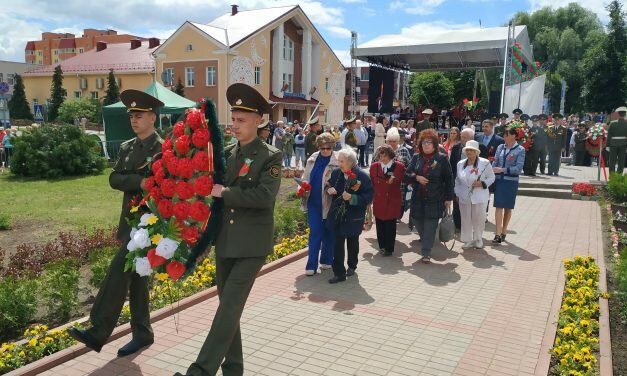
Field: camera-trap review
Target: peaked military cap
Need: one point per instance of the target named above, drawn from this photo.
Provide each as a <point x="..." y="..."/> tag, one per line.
<point x="558" y="116"/>
<point x="517" y="111"/>
<point x="504" y="115"/>
<point x="524" y="117"/>
<point x="264" y="125"/>
<point x="139" y="101"/>
<point x="351" y="120"/>
<point x="242" y="97"/>
<point x="428" y="111"/>
<point x="543" y="117"/>
<point x="534" y="117"/>
<point x="621" y="109"/>
<point x="313" y="121"/>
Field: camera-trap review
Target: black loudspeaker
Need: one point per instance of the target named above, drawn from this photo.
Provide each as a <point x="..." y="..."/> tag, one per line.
<point x="380" y="90"/>
<point x="495" y="103"/>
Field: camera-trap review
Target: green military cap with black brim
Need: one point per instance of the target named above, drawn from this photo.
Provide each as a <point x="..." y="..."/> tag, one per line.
<point x="558" y="116"/>
<point x="313" y="121"/>
<point x="543" y="117"/>
<point x="504" y="115"/>
<point x="242" y="97"/>
<point x="534" y="117"/>
<point x="524" y="117"/>
<point x="139" y="101"/>
<point x="517" y="111"/>
<point x="351" y="120"/>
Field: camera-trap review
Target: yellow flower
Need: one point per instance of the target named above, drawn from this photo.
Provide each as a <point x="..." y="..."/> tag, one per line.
<point x="134" y="209"/>
<point x="577" y="357"/>
<point x="152" y="219"/>
<point x="22" y="354"/>
<point x="156" y="238"/>
<point x="584" y="323"/>
<point x="33" y="342"/>
<point x="161" y="277"/>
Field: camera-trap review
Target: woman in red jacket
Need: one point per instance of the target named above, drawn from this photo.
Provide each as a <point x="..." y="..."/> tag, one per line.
<point x="386" y="175"/>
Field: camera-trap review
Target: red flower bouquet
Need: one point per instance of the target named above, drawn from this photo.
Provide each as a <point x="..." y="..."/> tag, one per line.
<point x="303" y="188"/>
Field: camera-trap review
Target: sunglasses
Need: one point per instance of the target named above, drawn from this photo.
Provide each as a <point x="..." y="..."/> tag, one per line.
<point x="322" y="149"/>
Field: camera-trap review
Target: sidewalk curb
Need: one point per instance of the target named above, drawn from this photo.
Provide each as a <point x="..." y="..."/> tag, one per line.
<point x="70" y="353"/>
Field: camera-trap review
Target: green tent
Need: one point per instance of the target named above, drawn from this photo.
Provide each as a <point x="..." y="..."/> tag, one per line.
<point x="117" y="127"/>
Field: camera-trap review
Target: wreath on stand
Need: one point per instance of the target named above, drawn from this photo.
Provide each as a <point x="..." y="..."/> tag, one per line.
<point x="596" y="135"/>
<point x="524" y="138"/>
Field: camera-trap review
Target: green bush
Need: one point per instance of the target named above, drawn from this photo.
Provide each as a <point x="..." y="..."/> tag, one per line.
<point x="99" y="260"/>
<point x="617" y="187"/>
<point x="17" y="305"/>
<point x="288" y="220"/>
<point x="77" y="108"/>
<point x="5" y="222"/>
<point x="55" y="151"/>
<point x="59" y="293"/>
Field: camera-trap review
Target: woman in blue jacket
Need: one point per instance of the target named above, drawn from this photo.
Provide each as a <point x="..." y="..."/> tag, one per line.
<point x="351" y="190"/>
<point x="508" y="164"/>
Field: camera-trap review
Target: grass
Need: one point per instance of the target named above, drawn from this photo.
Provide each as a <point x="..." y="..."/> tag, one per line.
<point x="5" y="222"/>
<point x="63" y="204"/>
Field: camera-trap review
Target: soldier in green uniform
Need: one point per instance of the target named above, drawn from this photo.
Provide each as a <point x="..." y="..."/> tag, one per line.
<point x="350" y="138"/>
<point x="424" y="123"/>
<point x="499" y="129"/>
<point x="580" y="144"/>
<point x="617" y="141"/>
<point x="129" y="175"/>
<point x="310" y="140"/>
<point x="251" y="184"/>
<point x="263" y="130"/>
<point x="555" y="143"/>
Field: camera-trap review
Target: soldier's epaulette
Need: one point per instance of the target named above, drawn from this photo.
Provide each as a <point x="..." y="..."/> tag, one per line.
<point x="271" y="149"/>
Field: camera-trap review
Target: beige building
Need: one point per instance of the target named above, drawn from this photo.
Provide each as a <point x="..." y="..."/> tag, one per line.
<point x="85" y="75"/>
<point x="276" y="50"/>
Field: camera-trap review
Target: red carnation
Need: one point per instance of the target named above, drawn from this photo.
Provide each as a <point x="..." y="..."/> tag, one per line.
<point x="156" y="194"/>
<point x="194" y="119"/>
<point x="154" y="259"/>
<point x="351" y="175"/>
<point x="203" y="185"/>
<point x="182" y="144"/>
<point x="159" y="176"/>
<point x="157" y="165"/>
<point x="179" y="129"/>
<point x="201" y="161"/>
<point x="181" y="210"/>
<point x="201" y="138"/>
<point x="184" y="190"/>
<point x="175" y="270"/>
<point x="199" y="211"/>
<point x="165" y="208"/>
<point x="185" y="168"/>
<point x="149" y="183"/>
<point x="168" y="187"/>
<point x="171" y="164"/>
<point x="190" y="235"/>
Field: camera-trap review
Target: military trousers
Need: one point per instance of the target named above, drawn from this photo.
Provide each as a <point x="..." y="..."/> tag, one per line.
<point x="223" y="347"/>
<point x="555" y="159"/>
<point x="540" y="159"/>
<point x="111" y="297"/>
<point x="528" y="166"/>
<point x="617" y="158"/>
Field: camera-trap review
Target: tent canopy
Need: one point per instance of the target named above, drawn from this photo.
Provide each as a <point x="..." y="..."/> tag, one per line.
<point x="448" y="50"/>
<point x="117" y="125"/>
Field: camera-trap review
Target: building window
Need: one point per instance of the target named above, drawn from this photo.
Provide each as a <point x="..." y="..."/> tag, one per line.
<point x="288" y="49"/>
<point x="168" y="76"/>
<point x="326" y="84"/>
<point x="1" y="77"/>
<point x="211" y="76"/>
<point x="94" y="94"/>
<point x="80" y="50"/>
<point x="326" y="117"/>
<point x="189" y="47"/>
<point x="257" y="75"/>
<point x="10" y="80"/>
<point x="288" y="79"/>
<point x="77" y="94"/>
<point x="56" y="52"/>
<point x="39" y="53"/>
<point x="365" y="74"/>
<point x="189" y="77"/>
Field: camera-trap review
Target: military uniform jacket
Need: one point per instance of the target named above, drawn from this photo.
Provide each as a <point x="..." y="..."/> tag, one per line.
<point x="132" y="166"/>
<point x="617" y="133"/>
<point x="310" y="144"/>
<point x="422" y="125"/>
<point x="556" y="137"/>
<point x="580" y="141"/>
<point x="539" y="138"/>
<point x="251" y="184"/>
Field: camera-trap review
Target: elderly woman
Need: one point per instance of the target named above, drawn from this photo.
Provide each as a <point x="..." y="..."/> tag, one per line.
<point x="317" y="173"/>
<point x="508" y="164"/>
<point x="379" y="134"/>
<point x="430" y="174"/>
<point x="474" y="176"/>
<point x="387" y="175"/>
<point x="352" y="193"/>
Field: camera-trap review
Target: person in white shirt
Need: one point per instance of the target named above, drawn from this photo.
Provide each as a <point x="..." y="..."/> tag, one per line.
<point x="474" y="176"/>
<point x="362" y="139"/>
<point x="379" y="134"/>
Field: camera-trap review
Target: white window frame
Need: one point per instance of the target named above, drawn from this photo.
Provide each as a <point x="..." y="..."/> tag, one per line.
<point x="11" y="79"/>
<point x="257" y="75"/>
<point x="170" y="75"/>
<point x="93" y="95"/>
<point x="81" y="50"/>
<point x="189" y="70"/>
<point x="213" y="76"/>
<point x="288" y="79"/>
<point x="77" y="94"/>
<point x="189" y="47"/>
<point x="288" y="48"/>
<point x="326" y="84"/>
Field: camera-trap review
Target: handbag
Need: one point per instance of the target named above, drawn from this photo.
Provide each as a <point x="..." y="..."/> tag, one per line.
<point x="368" y="221"/>
<point x="447" y="227"/>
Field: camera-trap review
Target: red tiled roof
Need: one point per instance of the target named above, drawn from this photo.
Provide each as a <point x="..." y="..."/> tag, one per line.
<point x="67" y="43"/>
<point x="30" y="46"/>
<point x="292" y="100"/>
<point x="118" y="57"/>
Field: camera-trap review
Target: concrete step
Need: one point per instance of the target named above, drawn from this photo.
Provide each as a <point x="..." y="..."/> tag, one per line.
<point x="544" y="184"/>
<point x="563" y="194"/>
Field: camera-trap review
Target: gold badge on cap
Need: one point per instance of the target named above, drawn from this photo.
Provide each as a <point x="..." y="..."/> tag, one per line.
<point x="238" y="102"/>
<point x="133" y="104"/>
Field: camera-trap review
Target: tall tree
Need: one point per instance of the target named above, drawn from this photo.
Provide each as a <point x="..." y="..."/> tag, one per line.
<point x="58" y="93"/>
<point x="113" y="91"/>
<point x="180" y="89"/>
<point x="18" y="105"/>
<point x="432" y="89"/>
<point x="616" y="54"/>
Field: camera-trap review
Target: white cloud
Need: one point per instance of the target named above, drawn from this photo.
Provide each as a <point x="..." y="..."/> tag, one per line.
<point x="421" y="7"/>
<point x="597" y="6"/>
<point x="339" y="31"/>
<point x="370" y="12"/>
<point x="345" y="58"/>
<point x="353" y="1"/>
<point x="426" y="28"/>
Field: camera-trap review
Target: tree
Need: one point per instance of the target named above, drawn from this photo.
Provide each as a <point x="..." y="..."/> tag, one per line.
<point x="113" y="91"/>
<point x="432" y="89"/>
<point x="463" y="83"/>
<point x="615" y="49"/>
<point x="180" y="89"/>
<point x="58" y="94"/>
<point x="77" y="108"/>
<point x="18" y="105"/>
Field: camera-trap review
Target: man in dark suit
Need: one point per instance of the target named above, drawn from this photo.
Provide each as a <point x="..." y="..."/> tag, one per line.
<point x="457" y="155"/>
<point x="489" y="138"/>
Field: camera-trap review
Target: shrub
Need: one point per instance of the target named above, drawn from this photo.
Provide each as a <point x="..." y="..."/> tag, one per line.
<point x="5" y="222"/>
<point x="59" y="292"/>
<point x="17" y="305"/>
<point x="288" y="220"/>
<point x="617" y="187"/>
<point x="99" y="260"/>
<point x="77" y="108"/>
<point x="55" y="151"/>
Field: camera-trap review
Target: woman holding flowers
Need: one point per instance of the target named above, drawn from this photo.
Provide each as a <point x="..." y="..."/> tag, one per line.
<point x="387" y="175"/>
<point x="430" y="173"/>
<point x="318" y="170"/>
<point x="508" y="164"/>
<point x="351" y="190"/>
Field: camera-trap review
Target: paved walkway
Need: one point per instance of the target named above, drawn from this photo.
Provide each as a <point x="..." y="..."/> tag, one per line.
<point x="477" y="312"/>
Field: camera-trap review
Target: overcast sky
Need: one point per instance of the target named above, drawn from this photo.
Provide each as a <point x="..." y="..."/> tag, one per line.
<point x="24" y="20"/>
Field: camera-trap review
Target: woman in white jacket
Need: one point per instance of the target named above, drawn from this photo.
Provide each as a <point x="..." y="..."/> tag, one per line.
<point x="474" y="176"/>
<point x="379" y="135"/>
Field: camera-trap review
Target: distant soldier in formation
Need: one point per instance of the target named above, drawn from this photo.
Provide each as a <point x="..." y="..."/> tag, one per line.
<point x="555" y="143"/>
<point x="617" y="141"/>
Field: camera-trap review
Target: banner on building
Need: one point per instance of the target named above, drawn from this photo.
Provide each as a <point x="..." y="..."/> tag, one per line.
<point x="380" y="90"/>
<point x="531" y="94"/>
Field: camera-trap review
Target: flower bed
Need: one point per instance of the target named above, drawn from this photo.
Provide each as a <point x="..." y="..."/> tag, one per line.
<point x="578" y="326"/>
<point x="583" y="190"/>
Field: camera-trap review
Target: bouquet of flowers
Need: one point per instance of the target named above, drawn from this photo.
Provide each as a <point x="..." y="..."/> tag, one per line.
<point x="352" y="185"/>
<point x="523" y="137"/>
<point x="303" y="188"/>
<point x="596" y="135"/>
<point x="175" y="207"/>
